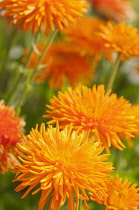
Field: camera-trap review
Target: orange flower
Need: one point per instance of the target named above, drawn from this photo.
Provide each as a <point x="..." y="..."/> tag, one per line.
<point x="7" y="159"/>
<point x="119" y="10"/>
<point x="43" y="14"/>
<point x="11" y="125"/>
<point x="121" y="38"/>
<point x="120" y="195"/>
<point x="63" y="62"/>
<point x="64" y="163"/>
<point x="11" y="132"/>
<point x="84" y="34"/>
<point x="92" y="109"/>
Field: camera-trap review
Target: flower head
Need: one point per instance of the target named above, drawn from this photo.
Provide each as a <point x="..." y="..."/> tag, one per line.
<point x="43" y="14"/>
<point x="62" y="62"/>
<point x="121" y="38"/>
<point x="11" y="132"/>
<point x="92" y="109"/>
<point x="64" y="163"/>
<point x="119" y="10"/>
<point x="84" y="34"/>
<point x="119" y="195"/>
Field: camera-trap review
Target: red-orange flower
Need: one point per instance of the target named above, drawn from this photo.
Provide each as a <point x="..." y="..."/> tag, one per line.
<point x="62" y="63"/>
<point x="119" y="195"/>
<point x="11" y="132"/>
<point x="92" y="109"/>
<point x="84" y="34"/>
<point x="119" y="10"/>
<point x="121" y="38"/>
<point x="64" y="163"/>
<point x="43" y="14"/>
<point x="11" y="125"/>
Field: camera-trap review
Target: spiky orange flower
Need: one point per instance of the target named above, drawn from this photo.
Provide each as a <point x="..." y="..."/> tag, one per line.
<point x="119" y="10"/>
<point x="43" y="14"/>
<point x="84" y="34"/>
<point x="121" y="38"/>
<point x="92" y="109"/>
<point x="120" y="195"/>
<point x="11" y="125"/>
<point x="11" y="132"/>
<point x="63" y="62"/>
<point x="64" y="163"/>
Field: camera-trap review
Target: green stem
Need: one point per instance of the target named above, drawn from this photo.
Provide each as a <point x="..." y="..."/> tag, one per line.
<point x="49" y="42"/>
<point x="30" y="76"/>
<point x="113" y="73"/>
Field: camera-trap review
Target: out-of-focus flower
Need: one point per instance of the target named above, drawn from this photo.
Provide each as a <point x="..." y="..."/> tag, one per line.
<point x="11" y="132"/>
<point x="63" y="62"/>
<point x="120" y="195"/>
<point x="65" y="163"/>
<point x="11" y="125"/>
<point x="84" y="34"/>
<point x="43" y="14"/>
<point x="121" y="38"/>
<point x="119" y="10"/>
<point x="7" y="159"/>
<point x="92" y="109"/>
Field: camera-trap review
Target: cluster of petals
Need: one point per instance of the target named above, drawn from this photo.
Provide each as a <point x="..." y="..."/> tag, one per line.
<point x="66" y="164"/>
<point x="84" y="34"/>
<point x="62" y="63"/>
<point x="107" y="116"/>
<point x="43" y="15"/>
<point x="119" y="10"/>
<point x="121" y="195"/>
<point x="121" y="38"/>
<point x="11" y="132"/>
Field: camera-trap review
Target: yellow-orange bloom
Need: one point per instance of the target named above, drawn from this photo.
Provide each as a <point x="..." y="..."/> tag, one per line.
<point x="64" y="163"/>
<point x="84" y="34"/>
<point x="121" y="38"/>
<point x="43" y="14"/>
<point x="63" y="63"/>
<point x="11" y="132"/>
<point x="119" y="10"/>
<point x="119" y="195"/>
<point x="92" y="109"/>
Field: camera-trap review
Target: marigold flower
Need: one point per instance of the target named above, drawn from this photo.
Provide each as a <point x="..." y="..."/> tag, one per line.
<point x="119" y="10"/>
<point x="11" y="132"/>
<point x="84" y="34"/>
<point x="11" y="125"/>
<point x="121" y="38"/>
<point x="120" y="195"/>
<point x="65" y="163"/>
<point x="62" y="62"/>
<point x="92" y="109"/>
<point x="43" y="14"/>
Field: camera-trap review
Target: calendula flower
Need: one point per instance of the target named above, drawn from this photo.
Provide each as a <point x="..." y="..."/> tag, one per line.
<point x="11" y="132"/>
<point x="84" y="34"/>
<point x="7" y="159"/>
<point x="92" y="109"/>
<point x="121" y="195"/>
<point x="11" y="125"/>
<point x="43" y="14"/>
<point x="64" y="163"/>
<point x="119" y="10"/>
<point x="121" y="39"/>
<point x="62" y="63"/>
